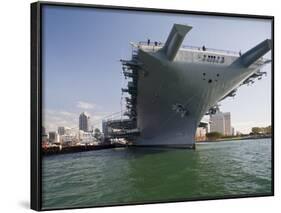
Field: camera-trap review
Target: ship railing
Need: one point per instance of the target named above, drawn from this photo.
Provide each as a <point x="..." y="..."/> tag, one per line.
<point x="158" y="45"/>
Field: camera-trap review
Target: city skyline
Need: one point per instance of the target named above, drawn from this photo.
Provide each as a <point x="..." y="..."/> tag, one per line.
<point x="226" y="125"/>
<point x="81" y="71"/>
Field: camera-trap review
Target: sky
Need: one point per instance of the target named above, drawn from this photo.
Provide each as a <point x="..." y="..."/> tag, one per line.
<point x="82" y="48"/>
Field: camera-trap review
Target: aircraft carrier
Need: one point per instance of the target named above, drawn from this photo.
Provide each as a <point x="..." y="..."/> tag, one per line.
<point x="172" y="87"/>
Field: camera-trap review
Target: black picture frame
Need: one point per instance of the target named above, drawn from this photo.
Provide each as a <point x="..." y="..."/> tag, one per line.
<point x="36" y="94"/>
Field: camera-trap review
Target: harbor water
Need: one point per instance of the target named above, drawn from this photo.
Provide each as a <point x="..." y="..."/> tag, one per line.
<point x="136" y="175"/>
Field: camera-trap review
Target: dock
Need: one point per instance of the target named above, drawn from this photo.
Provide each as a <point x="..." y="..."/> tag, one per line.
<point x="54" y="150"/>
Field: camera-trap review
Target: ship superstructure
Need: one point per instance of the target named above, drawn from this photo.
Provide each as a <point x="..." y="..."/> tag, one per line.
<point x="173" y="86"/>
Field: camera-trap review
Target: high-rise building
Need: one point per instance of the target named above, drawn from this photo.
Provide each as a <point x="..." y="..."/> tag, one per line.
<point x="44" y="137"/>
<point x="68" y="131"/>
<point x="43" y="130"/>
<point x="217" y="123"/>
<point x="84" y="122"/>
<point x="54" y="137"/>
<point x="61" y="130"/>
<point x="227" y="124"/>
<point x="221" y="122"/>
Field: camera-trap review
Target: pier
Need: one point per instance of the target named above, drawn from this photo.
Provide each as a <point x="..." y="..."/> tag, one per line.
<point x="53" y="150"/>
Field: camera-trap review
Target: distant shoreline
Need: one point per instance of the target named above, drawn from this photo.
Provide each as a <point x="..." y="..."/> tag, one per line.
<point x="235" y="138"/>
<point x="56" y="150"/>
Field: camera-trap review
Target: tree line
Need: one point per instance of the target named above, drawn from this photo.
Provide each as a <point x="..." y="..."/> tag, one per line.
<point x="255" y="131"/>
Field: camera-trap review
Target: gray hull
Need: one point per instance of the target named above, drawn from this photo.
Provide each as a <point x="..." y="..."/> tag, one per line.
<point x="176" y="87"/>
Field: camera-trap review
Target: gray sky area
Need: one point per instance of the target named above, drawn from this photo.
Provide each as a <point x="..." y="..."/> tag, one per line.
<point x="82" y="72"/>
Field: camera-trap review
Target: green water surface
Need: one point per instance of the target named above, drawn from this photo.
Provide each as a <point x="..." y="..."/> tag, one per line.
<point x="133" y="175"/>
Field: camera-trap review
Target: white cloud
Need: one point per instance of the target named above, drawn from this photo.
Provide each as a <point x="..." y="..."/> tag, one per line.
<point x="85" y="105"/>
<point x="53" y="119"/>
